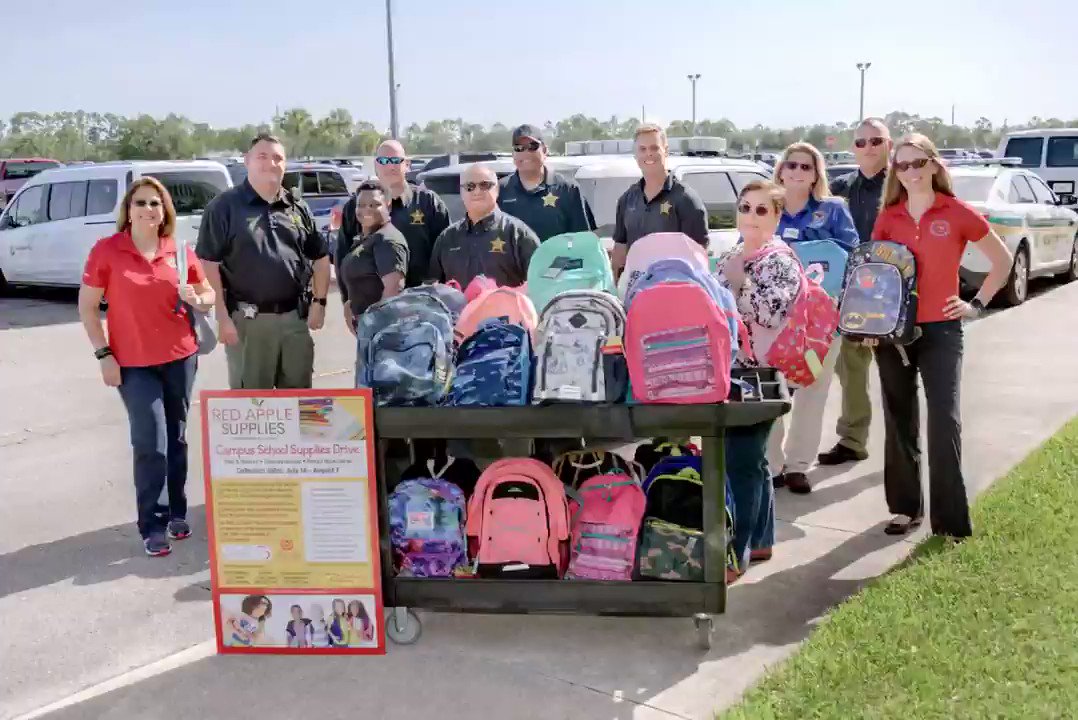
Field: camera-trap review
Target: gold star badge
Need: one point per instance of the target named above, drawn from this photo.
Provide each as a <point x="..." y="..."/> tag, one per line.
<point x="497" y="245"/>
<point x="417" y="217"/>
<point x="664" y="208"/>
<point x="550" y="200"/>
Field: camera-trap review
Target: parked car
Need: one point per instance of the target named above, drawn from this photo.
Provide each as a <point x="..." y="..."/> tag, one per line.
<point x="48" y="228"/>
<point x="441" y="161"/>
<point x="16" y="171"/>
<point x="1040" y="233"/>
<point x="323" y="187"/>
<point x="1050" y="153"/>
<point x="835" y="171"/>
<point x="351" y="170"/>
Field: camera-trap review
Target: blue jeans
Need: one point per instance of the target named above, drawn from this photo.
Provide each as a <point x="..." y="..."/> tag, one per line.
<point x="157" y="399"/>
<point x="750" y="482"/>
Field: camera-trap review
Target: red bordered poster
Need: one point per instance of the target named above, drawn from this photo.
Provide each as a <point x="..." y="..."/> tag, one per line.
<point x="292" y="514"/>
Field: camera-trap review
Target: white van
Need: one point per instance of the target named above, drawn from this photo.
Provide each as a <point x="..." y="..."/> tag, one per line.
<point x="1052" y="154"/>
<point x="49" y="227"/>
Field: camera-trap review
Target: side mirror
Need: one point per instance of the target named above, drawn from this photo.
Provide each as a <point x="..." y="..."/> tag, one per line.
<point x="7" y="222"/>
<point x="1066" y="199"/>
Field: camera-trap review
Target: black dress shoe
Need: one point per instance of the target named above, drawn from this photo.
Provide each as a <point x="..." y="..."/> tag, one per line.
<point x="779" y="480"/>
<point x="839" y="455"/>
<point x="798" y="483"/>
<point x="902" y="524"/>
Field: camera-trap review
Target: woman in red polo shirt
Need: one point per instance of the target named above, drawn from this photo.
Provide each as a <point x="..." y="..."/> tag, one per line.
<point x="921" y="211"/>
<point x="150" y="352"/>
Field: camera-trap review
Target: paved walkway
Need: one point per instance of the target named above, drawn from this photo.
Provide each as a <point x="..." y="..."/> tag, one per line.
<point x="1020" y="386"/>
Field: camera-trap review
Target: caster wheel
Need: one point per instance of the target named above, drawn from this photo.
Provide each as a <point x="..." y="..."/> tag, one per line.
<point x="403" y="626"/>
<point x="704" y="628"/>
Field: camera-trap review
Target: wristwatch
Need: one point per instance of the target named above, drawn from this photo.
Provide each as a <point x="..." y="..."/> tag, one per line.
<point x="319" y="301"/>
<point x="103" y="353"/>
<point x="977" y="305"/>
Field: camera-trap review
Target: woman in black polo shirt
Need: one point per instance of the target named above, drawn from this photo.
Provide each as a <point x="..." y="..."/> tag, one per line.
<point x="375" y="267"/>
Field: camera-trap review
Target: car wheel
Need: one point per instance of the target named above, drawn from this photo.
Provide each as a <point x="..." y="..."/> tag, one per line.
<point x="1017" y="288"/>
<point x="4" y="287"/>
<point x="1072" y="270"/>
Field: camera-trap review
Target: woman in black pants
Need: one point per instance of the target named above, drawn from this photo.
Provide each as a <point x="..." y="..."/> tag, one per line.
<point x="921" y="211"/>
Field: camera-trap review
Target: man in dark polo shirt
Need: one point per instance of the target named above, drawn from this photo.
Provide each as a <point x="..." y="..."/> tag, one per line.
<point x="485" y="241"/>
<point x="658" y="203"/>
<point x="417" y="212"/>
<point x="260" y="248"/>
<point x="547" y="202"/>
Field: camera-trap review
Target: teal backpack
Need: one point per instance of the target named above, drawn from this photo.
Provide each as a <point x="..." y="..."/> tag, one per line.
<point x="571" y="261"/>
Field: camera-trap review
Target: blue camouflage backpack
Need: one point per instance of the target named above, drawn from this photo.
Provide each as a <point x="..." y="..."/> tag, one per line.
<point x="453" y="298"/>
<point x="493" y="366"/>
<point x="824" y="260"/>
<point x="426" y="527"/>
<point x="404" y="350"/>
<point x="570" y="261"/>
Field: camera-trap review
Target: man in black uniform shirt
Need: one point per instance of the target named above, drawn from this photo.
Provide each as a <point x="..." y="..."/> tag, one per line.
<point x="260" y="248"/>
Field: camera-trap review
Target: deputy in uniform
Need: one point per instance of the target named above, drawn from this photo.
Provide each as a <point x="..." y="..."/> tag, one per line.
<point x="260" y="247"/>
<point x="547" y="202"/>
<point x="418" y="213"/>
<point x="485" y="241"/>
<point x="658" y="202"/>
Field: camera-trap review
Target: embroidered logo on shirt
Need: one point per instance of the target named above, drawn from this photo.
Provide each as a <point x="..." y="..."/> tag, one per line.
<point x="497" y="245"/>
<point x="940" y="228"/>
<point x="664" y="208"/>
<point x="417" y="217"/>
<point x="550" y="199"/>
<point x="818" y="218"/>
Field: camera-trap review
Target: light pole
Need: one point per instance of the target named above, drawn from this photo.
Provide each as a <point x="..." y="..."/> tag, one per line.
<point x="863" y="67"/>
<point x="693" y="78"/>
<point x="392" y="82"/>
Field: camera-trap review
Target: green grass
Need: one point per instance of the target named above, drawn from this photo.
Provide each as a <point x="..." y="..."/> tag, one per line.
<point x="984" y="629"/>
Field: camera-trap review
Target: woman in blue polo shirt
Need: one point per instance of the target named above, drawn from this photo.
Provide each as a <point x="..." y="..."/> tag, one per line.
<point x="811" y="213"/>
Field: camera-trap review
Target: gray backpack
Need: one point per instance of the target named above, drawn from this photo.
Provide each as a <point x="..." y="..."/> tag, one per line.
<point x="578" y="349"/>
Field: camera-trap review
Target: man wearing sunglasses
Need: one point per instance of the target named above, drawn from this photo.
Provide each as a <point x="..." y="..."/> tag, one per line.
<point x="547" y="203"/>
<point x="485" y="241"/>
<point x="418" y="213"/>
<point x="862" y="189"/>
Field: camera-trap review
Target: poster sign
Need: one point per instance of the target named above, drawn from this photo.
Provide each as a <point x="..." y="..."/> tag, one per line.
<point x="291" y="509"/>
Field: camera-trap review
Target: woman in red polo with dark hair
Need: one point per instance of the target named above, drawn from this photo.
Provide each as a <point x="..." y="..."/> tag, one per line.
<point x="150" y="352"/>
<point x="921" y="211"/>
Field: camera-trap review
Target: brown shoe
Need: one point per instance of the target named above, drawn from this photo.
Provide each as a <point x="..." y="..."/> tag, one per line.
<point x="798" y="483"/>
<point x="840" y="455"/>
<point x="760" y="555"/>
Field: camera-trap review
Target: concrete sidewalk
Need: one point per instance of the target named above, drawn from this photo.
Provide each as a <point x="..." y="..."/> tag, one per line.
<point x="1020" y="385"/>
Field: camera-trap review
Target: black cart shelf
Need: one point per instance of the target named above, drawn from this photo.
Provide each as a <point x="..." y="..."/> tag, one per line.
<point x="604" y="424"/>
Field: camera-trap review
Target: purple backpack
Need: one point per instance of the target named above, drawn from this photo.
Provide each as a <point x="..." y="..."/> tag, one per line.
<point x="426" y="527"/>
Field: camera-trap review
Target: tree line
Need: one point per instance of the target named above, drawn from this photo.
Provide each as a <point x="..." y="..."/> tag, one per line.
<point x="80" y="135"/>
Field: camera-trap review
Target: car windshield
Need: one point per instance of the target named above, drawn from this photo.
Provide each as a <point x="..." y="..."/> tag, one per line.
<point x="602" y="195"/>
<point x="972" y="188"/>
<point x="20" y="170"/>
<point x="191" y="190"/>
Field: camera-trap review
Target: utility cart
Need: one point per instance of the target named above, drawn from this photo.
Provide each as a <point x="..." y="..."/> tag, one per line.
<point x="597" y="423"/>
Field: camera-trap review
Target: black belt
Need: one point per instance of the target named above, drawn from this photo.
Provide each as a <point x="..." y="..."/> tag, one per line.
<point x="273" y="308"/>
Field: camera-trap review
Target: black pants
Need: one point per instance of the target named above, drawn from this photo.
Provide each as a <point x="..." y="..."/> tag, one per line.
<point x="937" y="357"/>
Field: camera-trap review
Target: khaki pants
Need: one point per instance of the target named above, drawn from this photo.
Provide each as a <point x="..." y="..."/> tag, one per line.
<point x="274" y="351"/>
<point x="854" y="361"/>
<point x="796" y="452"/>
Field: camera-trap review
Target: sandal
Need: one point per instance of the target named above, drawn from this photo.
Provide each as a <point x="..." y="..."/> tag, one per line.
<point x="902" y="524"/>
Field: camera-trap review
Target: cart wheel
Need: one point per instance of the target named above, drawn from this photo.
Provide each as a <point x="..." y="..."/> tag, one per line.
<point x="403" y="626"/>
<point x="704" y="628"/>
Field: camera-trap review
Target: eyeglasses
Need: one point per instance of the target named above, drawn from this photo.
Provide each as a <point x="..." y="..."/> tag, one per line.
<point x="793" y="165"/>
<point x="528" y="146"/>
<point x="862" y="143"/>
<point x="148" y="203"/>
<point x="917" y="164"/>
<point x="761" y="210"/>
<point x="383" y="160"/>
<point x="484" y="185"/>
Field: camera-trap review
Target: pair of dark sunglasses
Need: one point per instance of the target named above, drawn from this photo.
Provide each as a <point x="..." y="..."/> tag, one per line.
<point x="485" y="186"/>
<point x="148" y="203"/>
<point x="761" y="210"/>
<point x="862" y="143"/>
<point x="528" y="146"/>
<point x="793" y="165"/>
<point x="382" y="160"/>
<point x="917" y="164"/>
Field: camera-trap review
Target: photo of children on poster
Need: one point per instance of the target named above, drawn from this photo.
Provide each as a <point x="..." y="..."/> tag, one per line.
<point x="300" y="622"/>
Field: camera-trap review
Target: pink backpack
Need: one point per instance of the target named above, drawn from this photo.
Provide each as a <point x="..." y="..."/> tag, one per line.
<point x="606" y="528"/>
<point x="802" y="343"/>
<point x="511" y="303"/>
<point x="678" y="345"/>
<point x="518" y="521"/>
<point x="659" y="246"/>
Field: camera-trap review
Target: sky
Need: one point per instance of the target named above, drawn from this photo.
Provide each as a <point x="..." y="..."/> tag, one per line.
<point x="779" y="63"/>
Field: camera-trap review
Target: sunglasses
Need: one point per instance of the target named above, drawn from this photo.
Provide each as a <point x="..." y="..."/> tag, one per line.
<point x="794" y="165"/>
<point x="917" y="164"/>
<point x="862" y="143"/>
<point x="382" y="160"/>
<point x="528" y="146"/>
<point x="148" y="203"/>
<point x="485" y="186"/>
<point x="761" y="210"/>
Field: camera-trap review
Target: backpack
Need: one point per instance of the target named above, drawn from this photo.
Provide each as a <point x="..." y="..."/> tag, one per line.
<point x="498" y="302"/>
<point x="573" y="468"/>
<point x="678" y="345"/>
<point x="824" y="260"/>
<point x="880" y="299"/>
<point x="659" y="246"/>
<point x="606" y="527"/>
<point x="649" y="454"/>
<point x="518" y="521"/>
<point x="426" y="528"/>
<point x="578" y="350"/>
<point x="493" y="367"/>
<point x="571" y="261"/>
<point x="451" y="296"/>
<point x="801" y="345"/>
<point x="405" y="350"/>
<point x="462" y="472"/>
